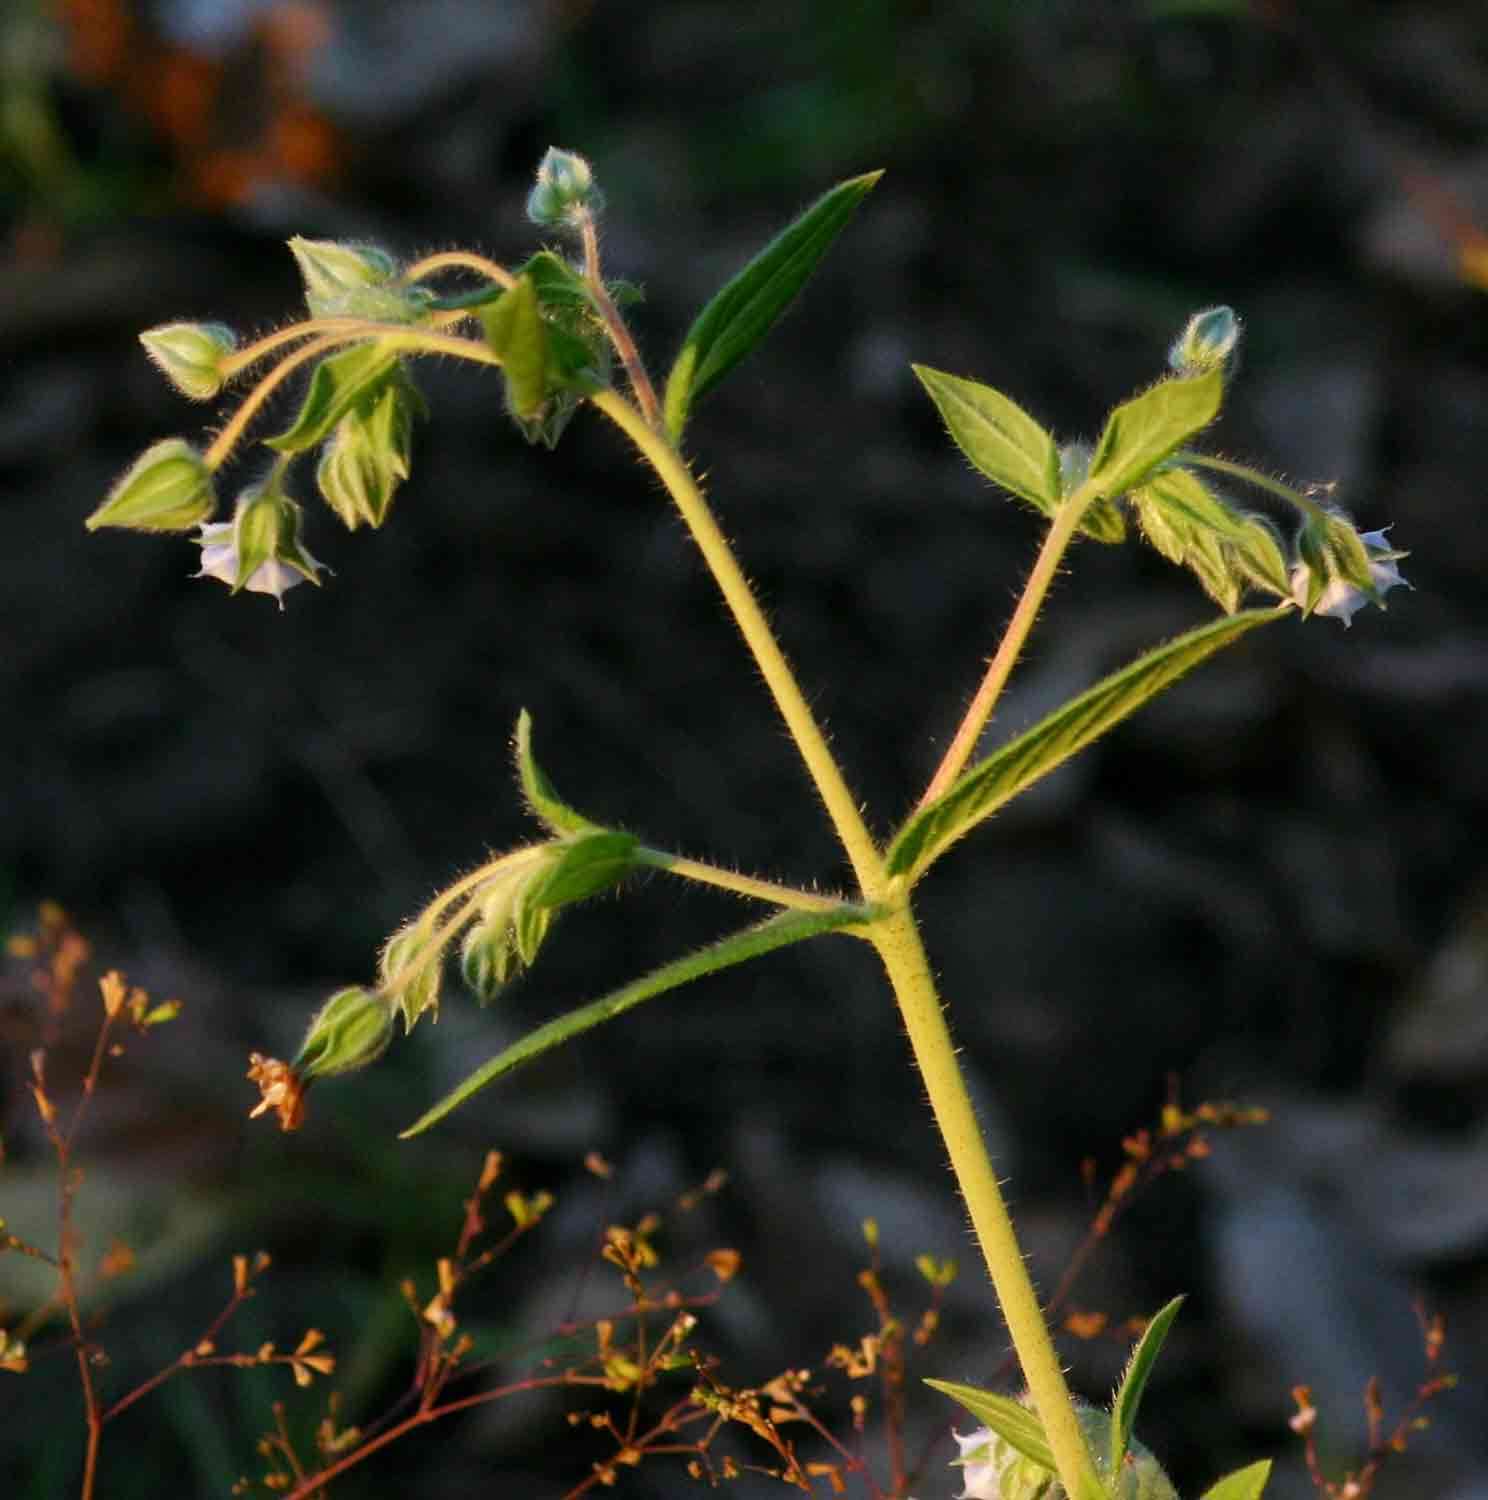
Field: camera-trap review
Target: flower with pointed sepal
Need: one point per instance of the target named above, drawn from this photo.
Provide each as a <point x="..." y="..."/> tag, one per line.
<point x="1334" y="594"/>
<point x="260" y="549"/>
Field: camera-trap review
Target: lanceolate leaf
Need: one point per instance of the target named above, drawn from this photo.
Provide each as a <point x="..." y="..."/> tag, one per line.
<point x="547" y="806"/>
<point x="1142" y="432"/>
<point x="742" y="313"/>
<point x="1033" y="754"/>
<point x="1129" y="1393"/>
<point x="1241" y="1484"/>
<point x="1010" y="1420"/>
<point x="339" y="383"/>
<point x="777" y="932"/>
<point x="1001" y="440"/>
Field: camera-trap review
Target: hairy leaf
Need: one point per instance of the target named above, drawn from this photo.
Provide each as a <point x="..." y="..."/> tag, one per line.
<point x="1144" y="431"/>
<point x="998" y="437"/>
<point x="1241" y="1484"/>
<point x="777" y="932"/>
<point x="1009" y="1419"/>
<point x="745" y="309"/>
<point x="591" y="863"/>
<point x="340" y="382"/>
<point x="1033" y="754"/>
<point x="1134" y="1381"/>
<point x="546" y="805"/>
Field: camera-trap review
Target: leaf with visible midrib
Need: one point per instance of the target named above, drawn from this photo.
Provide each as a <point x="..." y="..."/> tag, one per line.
<point x="1134" y="1381"/>
<point x="1032" y="755"/>
<point x="777" y="932"/>
<point x="1144" y="431"/>
<point x="340" y="381"/>
<point x="999" y="438"/>
<point x="743" y="311"/>
<point x="1241" y="1484"/>
<point x="1013" y="1422"/>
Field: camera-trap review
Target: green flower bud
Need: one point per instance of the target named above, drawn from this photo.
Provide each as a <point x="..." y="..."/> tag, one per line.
<point x="167" y="488"/>
<point x="352" y="1029"/>
<point x="355" y="281"/>
<point x="260" y="548"/>
<point x="191" y="355"/>
<point x="564" y="191"/>
<point x="488" y="955"/>
<point x="1210" y="338"/>
<point x="411" y="978"/>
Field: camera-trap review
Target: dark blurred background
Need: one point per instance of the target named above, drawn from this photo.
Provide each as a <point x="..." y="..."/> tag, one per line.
<point x="1270" y="884"/>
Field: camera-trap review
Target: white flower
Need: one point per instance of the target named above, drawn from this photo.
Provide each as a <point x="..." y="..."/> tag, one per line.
<point x="260" y="548"/>
<point x="980" y="1468"/>
<point x="1339" y="597"/>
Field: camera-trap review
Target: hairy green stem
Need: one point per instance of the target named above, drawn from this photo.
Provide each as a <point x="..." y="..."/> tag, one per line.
<point x="1246" y="475"/>
<point x="672" y="470"/>
<point x="895" y="936"/>
<point x="740" y="885"/>
<point x="1056" y="541"/>
<point x="899" y="947"/>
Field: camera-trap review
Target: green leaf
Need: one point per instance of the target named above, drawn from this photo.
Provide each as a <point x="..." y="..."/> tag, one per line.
<point x="515" y="330"/>
<point x="1015" y="1423"/>
<point x="340" y="382"/>
<point x="1144" y="431"/>
<point x="1241" y="1484"/>
<point x="1053" y="740"/>
<point x="547" y="807"/>
<point x="591" y="863"/>
<point x="1134" y="1381"/>
<point x="777" y="932"/>
<point x="998" y="437"/>
<point x="742" y="312"/>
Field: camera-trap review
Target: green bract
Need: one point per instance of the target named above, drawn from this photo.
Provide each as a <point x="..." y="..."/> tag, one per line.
<point x="167" y="488"/>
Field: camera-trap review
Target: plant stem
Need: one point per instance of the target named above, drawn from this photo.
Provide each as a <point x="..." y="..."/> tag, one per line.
<point x="741" y="885"/>
<point x="898" y="942"/>
<point x="458" y="260"/>
<point x="1243" y="472"/>
<point x="1046" y="565"/>
<point x="619" y="329"/>
<point x="841" y="805"/>
<point x="895" y="935"/>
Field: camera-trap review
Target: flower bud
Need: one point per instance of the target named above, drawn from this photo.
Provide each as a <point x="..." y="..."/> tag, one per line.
<point x="260" y="548"/>
<point x="1210" y="338"/>
<point x="411" y="975"/>
<point x="355" y="281"/>
<point x="167" y="488"/>
<point x="191" y="355"/>
<point x="367" y="457"/>
<point x="564" y="191"/>
<point x="352" y="1029"/>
